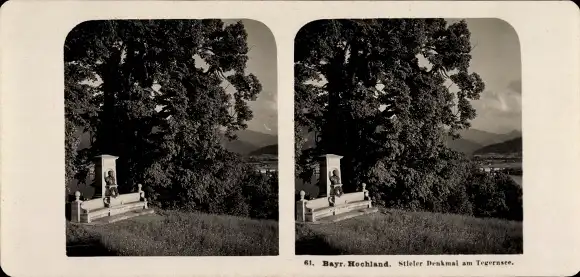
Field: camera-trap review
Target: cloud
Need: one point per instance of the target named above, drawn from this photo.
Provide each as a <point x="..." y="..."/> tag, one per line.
<point x="503" y="101"/>
<point x="498" y="111"/>
<point x="262" y="63"/>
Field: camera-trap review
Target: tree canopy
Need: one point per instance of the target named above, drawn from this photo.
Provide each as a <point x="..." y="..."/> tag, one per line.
<point x="153" y="93"/>
<point x="384" y="94"/>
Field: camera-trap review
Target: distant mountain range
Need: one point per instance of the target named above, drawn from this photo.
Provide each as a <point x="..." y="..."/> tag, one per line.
<point x="481" y="142"/>
<point x="463" y="145"/>
<point x="471" y="140"/>
<point x="266" y="150"/>
<point x="253" y="143"/>
<point x="486" y="138"/>
<point x="507" y="147"/>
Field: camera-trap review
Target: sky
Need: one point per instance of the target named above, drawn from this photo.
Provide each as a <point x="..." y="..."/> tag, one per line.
<point x="262" y="63"/>
<point x="497" y="59"/>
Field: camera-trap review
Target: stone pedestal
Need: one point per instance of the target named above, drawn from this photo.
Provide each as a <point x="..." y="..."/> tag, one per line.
<point x="333" y="204"/>
<point x="301" y="208"/>
<point x="75" y="215"/>
<point x="103" y="164"/>
<point x="328" y="163"/>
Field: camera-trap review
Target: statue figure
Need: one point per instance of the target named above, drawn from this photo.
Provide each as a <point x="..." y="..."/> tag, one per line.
<point x="111" y="184"/>
<point x="334" y="179"/>
<point x="335" y="183"/>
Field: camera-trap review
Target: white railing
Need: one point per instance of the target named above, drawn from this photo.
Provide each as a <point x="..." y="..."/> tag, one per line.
<point x="81" y="210"/>
<point x="310" y="210"/>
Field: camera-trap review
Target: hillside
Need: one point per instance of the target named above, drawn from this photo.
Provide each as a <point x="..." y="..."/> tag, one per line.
<point x="266" y="150"/>
<point x="174" y="233"/>
<point x="484" y="138"/>
<point x="395" y="232"/>
<point x="238" y="146"/>
<point x="507" y="147"/>
<point x="512" y="135"/>
<point x="473" y="139"/>
<point x="257" y="138"/>
<point x="249" y="141"/>
<point x="463" y="145"/>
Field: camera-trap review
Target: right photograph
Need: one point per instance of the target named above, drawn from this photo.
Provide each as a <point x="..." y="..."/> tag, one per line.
<point x="408" y="137"/>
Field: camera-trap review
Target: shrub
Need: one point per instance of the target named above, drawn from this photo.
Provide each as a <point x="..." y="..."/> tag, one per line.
<point x="458" y="201"/>
<point x="261" y="194"/>
<point x="459" y="187"/>
<point x="227" y="186"/>
<point x="512" y="195"/>
<point x="495" y="196"/>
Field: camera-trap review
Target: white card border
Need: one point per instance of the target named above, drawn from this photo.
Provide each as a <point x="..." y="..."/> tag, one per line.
<point x="32" y="132"/>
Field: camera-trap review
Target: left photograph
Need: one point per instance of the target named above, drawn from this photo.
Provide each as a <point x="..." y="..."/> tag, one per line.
<point x="171" y="138"/>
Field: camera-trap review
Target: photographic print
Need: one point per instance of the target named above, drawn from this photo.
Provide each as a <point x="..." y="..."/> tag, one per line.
<point x="408" y="137"/>
<point x="171" y="138"/>
<point x="289" y="138"/>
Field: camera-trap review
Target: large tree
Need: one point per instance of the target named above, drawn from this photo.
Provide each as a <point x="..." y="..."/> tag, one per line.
<point x="152" y="92"/>
<point x="385" y="94"/>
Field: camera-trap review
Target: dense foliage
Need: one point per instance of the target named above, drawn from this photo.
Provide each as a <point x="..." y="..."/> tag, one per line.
<point x="152" y="92"/>
<point x="385" y="94"/>
<point x="261" y="194"/>
<point x="495" y="196"/>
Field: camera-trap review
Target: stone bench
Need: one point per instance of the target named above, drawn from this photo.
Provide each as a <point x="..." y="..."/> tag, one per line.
<point x="112" y="210"/>
<point x="312" y="210"/>
<point x="337" y="209"/>
<point x="90" y="210"/>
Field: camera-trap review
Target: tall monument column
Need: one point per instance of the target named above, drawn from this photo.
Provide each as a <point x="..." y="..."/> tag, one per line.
<point x="103" y="164"/>
<point x="328" y="163"/>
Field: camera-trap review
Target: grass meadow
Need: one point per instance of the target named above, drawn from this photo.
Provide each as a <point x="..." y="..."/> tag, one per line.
<point x="395" y="232"/>
<point x="172" y="233"/>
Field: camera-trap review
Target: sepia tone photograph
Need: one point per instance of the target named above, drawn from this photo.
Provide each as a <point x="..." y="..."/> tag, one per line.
<point x="410" y="119"/>
<point x="408" y="137"/>
<point x="171" y="138"/>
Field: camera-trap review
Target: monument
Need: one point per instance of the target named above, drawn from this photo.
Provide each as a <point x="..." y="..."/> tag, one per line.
<point x="108" y="205"/>
<point x="335" y="187"/>
<point x="103" y="164"/>
<point x="111" y="185"/>
<point x="332" y="203"/>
